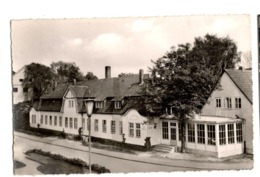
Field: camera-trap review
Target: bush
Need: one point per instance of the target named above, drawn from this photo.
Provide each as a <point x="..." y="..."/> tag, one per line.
<point x="74" y="161"/>
<point x="21" y="116"/>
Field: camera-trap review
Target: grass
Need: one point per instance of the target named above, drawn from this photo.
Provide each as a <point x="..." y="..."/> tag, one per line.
<point x="18" y="164"/>
<point x="58" y="164"/>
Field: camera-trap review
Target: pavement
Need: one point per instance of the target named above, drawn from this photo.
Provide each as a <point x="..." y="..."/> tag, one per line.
<point x="168" y="159"/>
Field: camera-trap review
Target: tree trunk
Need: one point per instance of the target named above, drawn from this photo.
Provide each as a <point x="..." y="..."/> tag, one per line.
<point x="182" y="123"/>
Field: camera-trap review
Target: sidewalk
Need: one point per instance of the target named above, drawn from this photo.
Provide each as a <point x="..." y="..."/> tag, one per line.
<point x="174" y="159"/>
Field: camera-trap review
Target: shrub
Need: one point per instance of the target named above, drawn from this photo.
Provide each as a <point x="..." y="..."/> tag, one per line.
<point x="74" y="161"/>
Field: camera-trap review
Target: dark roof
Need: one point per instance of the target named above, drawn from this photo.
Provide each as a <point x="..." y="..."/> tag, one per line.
<point x="50" y="105"/>
<point x="114" y="88"/>
<point x="243" y="80"/>
<point x="58" y="92"/>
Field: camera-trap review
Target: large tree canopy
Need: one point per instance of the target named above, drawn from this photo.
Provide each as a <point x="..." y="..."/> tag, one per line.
<point x="37" y="80"/>
<point x="90" y="76"/>
<point x="66" y="71"/>
<point x="184" y="77"/>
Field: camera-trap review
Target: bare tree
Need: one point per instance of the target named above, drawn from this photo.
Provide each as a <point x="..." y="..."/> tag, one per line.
<point x="247" y="56"/>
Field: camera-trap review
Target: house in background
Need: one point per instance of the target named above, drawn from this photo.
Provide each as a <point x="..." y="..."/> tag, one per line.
<point x="224" y="127"/>
<point x="18" y="91"/>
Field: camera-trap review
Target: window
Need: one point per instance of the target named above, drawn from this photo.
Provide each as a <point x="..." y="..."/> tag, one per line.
<point x="66" y="122"/>
<point x="120" y="127"/>
<point x="131" y="129"/>
<point x="179" y="129"/>
<point x="104" y="126"/>
<point x="113" y="127"/>
<point x="211" y="135"/>
<point x="218" y="102"/>
<point x="117" y="104"/>
<point x="165" y="133"/>
<point x="222" y="134"/>
<point x="191" y="133"/>
<point x="15" y="89"/>
<point x="46" y="119"/>
<point x="96" y="125"/>
<point x="228" y="103"/>
<point x="60" y="121"/>
<point x="41" y="121"/>
<point x="71" y="123"/>
<point x="55" y="120"/>
<point x="231" y="138"/>
<point x="83" y="123"/>
<point x="71" y="103"/>
<point x="138" y="130"/>
<point x="75" y="123"/>
<point x="21" y="80"/>
<point x="238" y="103"/>
<point x="201" y="133"/>
<point x="50" y="120"/>
<point x="99" y="104"/>
<point x="34" y="119"/>
<point x="239" y="131"/>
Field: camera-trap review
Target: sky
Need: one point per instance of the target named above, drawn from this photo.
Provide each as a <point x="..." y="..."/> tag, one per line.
<point x="125" y="44"/>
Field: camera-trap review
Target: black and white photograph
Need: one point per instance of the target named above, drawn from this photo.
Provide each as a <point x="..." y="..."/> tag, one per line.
<point x="132" y="94"/>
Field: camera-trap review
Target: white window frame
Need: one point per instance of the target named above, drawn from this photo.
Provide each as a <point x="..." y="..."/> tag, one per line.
<point x="113" y="127"/>
<point x="96" y="125"/>
<point x="71" y="122"/>
<point x="131" y="129"/>
<point x="117" y="104"/>
<point x="137" y="130"/>
<point x="191" y="132"/>
<point x="60" y="121"/>
<point x="41" y="121"/>
<point x="239" y="132"/>
<point x="104" y="126"/>
<point x="218" y="102"/>
<point x="228" y="103"/>
<point x="66" y="122"/>
<point x="50" y="120"/>
<point x="55" y="120"/>
<point x="99" y="104"/>
<point x="165" y="130"/>
<point x="75" y="123"/>
<point x="222" y="134"/>
<point x="120" y="127"/>
<point x="211" y="134"/>
<point x="238" y="103"/>
<point x="46" y="120"/>
<point x="231" y="133"/>
<point x="201" y="133"/>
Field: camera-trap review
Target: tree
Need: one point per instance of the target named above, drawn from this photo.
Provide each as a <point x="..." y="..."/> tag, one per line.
<point x="183" y="79"/>
<point x="38" y="79"/>
<point x="66" y="71"/>
<point x="247" y="56"/>
<point x="90" y="76"/>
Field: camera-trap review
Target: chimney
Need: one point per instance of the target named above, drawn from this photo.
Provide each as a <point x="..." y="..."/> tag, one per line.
<point x="141" y="76"/>
<point x="108" y="72"/>
<point x="74" y="82"/>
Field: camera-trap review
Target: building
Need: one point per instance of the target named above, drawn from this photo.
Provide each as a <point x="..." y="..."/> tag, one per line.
<point x="18" y="91"/>
<point x="119" y="115"/>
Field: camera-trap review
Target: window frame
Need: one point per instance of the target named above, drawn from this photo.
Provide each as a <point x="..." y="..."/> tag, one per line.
<point x="222" y="134"/>
<point x="71" y="122"/>
<point x="211" y="131"/>
<point x="191" y="132"/>
<point x="75" y="123"/>
<point x="113" y="127"/>
<point x="238" y="103"/>
<point x="201" y="133"/>
<point x="104" y="126"/>
<point x="231" y="133"/>
<point x="218" y="102"/>
<point x="137" y="130"/>
<point x="41" y="120"/>
<point x="66" y="122"/>
<point x="60" y="121"/>
<point x="165" y="130"/>
<point x="239" y="132"/>
<point x="55" y="120"/>
<point x="96" y="125"/>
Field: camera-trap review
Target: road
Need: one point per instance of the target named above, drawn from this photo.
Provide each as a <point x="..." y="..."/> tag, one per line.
<point x="116" y="164"/>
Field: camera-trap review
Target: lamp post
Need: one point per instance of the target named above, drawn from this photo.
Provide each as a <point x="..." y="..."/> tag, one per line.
<point x="89" y="104"/>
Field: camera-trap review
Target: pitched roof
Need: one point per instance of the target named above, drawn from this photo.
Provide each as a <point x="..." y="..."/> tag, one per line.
<point x="243" y="80"/>
<point x="58" y="93"/>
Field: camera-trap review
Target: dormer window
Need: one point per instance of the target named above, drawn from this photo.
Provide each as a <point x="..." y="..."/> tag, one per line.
<point x="169" y="110"/>
<point x="117" y="104"/>
<point x="71" y="103"/>
<point x="99" y="104"/>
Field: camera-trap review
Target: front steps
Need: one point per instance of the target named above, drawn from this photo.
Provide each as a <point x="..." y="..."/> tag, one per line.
<point x="164" y="148"/>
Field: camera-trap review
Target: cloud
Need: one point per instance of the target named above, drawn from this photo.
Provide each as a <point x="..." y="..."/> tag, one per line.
<point x="142" y="25"/>
<point x="108" y="42"/>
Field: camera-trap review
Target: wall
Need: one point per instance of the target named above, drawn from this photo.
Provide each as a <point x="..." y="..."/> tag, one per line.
<point x="18" y="96"/>
<point x="229" y="89"/>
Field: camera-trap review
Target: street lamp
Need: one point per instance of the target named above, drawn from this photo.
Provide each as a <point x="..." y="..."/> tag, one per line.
<point x="89" y="104"/>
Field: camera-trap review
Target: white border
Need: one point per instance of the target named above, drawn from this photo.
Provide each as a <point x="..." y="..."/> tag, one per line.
<point x="32" y="9"/>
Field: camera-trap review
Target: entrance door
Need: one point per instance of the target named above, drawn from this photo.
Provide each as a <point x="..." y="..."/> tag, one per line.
<point x="173" y="133"/>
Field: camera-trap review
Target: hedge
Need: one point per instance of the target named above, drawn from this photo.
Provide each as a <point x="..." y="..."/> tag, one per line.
<point x="74" y="161"/>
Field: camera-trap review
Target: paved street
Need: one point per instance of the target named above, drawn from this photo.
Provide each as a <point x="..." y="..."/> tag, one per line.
<point x="115" y="161"/>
